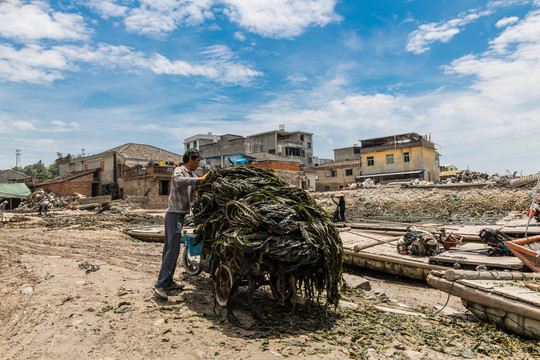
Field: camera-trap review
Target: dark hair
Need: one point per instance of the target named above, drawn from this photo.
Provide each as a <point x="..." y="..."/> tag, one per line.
<point x="191" y="153"/>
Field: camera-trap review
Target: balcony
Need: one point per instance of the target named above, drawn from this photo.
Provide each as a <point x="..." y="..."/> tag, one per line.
<point x="138" y="171"/>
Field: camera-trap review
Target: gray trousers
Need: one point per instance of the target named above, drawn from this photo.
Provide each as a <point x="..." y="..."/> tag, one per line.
<point x="171" y="248"/>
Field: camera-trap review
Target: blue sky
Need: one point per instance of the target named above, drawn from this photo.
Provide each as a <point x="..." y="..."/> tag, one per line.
<point x="101" y="73"/>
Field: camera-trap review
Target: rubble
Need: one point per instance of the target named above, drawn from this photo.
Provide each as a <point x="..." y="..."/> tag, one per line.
<point x="429" y="203"/>
<point x="55" y="201"/>
<point x="469" y="177"/>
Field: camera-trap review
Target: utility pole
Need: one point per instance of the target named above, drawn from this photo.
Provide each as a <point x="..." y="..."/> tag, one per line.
<point x="18" y="158"/>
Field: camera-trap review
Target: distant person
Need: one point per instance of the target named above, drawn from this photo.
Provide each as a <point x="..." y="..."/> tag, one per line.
<point x="183" y="186"/>
<point x="43" y="207"/>
<point x="2" y="209"/>
<point x="339" y="214"/>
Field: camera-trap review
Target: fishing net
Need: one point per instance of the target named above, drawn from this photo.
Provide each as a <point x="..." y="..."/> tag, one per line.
<point x="257" y="224"/>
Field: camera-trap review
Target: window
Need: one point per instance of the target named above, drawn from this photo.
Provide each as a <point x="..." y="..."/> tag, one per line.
<point x="309" y="160"/>
<point x="308" y="145"/>
<point x="194" y="144"/>
<point x="12" y="181"/>
<point x="389" y="159"/>
<point x="272" y="151"/>
<point x="370" y="161"/>
<point x="163" y="187"/>
<point x="293" y="152"/>
<point x="437" y="159"/>
<point x="326" y="188"/>
<point x="301" y="137"/>
<point x="406" y="157"/>
<point x="348" y="172"/>
<point x="334" y="173"/>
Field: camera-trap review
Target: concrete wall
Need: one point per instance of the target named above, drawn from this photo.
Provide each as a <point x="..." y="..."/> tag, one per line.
<point x="147" y="187"/>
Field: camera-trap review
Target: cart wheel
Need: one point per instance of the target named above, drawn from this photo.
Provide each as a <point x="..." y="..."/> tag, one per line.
<point x="282" y="295"/>
<point x="192" y="263"/>
<point x="223" y="281"/>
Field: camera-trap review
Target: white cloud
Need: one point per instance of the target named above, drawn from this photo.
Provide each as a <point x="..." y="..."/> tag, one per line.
<point x="426" y="34"/>
<point x="32" y="64"/>
<point x="22" y="125"/>
<point x="280" y="18"/>
<point x="23" y="21"/>
<point x="108" y="9"/>
<point x="61" y="126"/>
<point x="36" y="64"/>
<point x="156" y="18"/>
<point x="239" y="36"/>
<point x="507" y="21"/>
<point x="275" y="19"/>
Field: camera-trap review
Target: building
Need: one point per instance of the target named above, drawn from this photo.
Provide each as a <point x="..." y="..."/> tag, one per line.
<point x="11" y="176"/>
<point x="336" y="175"/>
<point x="296" y="145"/>
<point x="195" y="141"/>
<point x="394" y="158"/>
<point x="111" y="164"/>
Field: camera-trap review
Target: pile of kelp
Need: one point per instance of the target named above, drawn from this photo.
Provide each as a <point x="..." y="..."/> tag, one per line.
<point x="257" y="224"/>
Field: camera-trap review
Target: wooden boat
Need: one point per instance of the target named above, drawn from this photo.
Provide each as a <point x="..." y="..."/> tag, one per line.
<point x="527" y="250"/>
<point x="377" y="250"/>
<point x="147" y="233"/>
<point x="510" y="300"/>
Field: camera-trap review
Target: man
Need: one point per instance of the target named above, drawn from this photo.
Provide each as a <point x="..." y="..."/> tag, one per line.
<point x="2" y="209"/>
<point x="43" y="206"/>
<point x="183" y="185"/>
<point x="339" y="214"/>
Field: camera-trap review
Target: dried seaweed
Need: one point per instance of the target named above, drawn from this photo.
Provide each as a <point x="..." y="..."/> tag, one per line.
<point x="254" y="222"/>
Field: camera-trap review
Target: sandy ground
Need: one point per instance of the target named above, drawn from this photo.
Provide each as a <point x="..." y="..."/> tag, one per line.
<point x="82" y="289"/>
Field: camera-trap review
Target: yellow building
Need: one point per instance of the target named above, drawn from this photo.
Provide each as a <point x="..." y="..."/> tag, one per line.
<point x="393" y="158"/>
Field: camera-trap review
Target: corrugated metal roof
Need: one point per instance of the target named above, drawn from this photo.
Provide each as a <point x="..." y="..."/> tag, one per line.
<point x="14" y="191"/>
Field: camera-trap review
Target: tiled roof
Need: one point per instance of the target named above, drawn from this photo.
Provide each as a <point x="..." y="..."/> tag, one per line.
<point x="146" y="152"/>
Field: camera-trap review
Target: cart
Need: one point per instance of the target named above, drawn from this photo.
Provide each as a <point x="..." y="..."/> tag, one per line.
<point x="197" y="258"/>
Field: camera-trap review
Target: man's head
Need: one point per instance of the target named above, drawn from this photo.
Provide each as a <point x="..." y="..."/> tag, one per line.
<point x="191" y="159"/>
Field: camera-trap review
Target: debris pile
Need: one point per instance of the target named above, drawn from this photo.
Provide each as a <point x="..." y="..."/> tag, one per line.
<point x="55" y="201"/>
<point x="255" y="223"/>
<point x="462" y="204"/>
<point x="419" y="243"/>
<point x="469" y="177"/>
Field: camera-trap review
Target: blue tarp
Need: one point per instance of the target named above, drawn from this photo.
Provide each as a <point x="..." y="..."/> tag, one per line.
<point x="14" y="191"/>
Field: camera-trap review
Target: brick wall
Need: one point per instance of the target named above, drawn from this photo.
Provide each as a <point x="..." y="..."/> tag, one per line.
<point x="278" y="165"/>
<point x="80" y="185"/>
